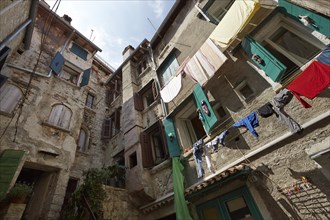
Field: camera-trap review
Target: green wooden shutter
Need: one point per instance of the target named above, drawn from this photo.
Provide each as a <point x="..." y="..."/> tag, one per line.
<point x="85" y="77"/>
<point x="79" y="51"/>
<point x="9" y="162"/>
<point x="209" y="120"/>
<point x="321" y="23"/>
<point x="272" y="67"/>
<point x="172" y="143"/>
<point x="57" y="63"/>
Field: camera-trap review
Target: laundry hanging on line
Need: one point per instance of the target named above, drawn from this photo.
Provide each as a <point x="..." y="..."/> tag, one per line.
<point x="250" y="122"/>
<point x="324" y="57"/>
<point x="311" y="82"/>
<point x="198" y="148"/>
<point x="278" y="102"/>
<point x="172" y="89"/>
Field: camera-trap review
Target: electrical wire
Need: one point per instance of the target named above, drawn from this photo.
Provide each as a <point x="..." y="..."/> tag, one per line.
<point x="45" y="32"/>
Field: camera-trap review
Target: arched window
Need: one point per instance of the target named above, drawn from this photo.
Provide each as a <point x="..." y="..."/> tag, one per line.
<point x="83" y="140"/>
<point x="10" y="95"/>
<point x="60" y="116"/>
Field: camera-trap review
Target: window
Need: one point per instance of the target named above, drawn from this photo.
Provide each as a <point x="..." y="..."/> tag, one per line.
<point x="168" y="69"/>
<point x="146" y="96"/>
<point x="83" y="140"/>
<point x="90" y="100"/>
<point x="111" y="125"/>
<point x="216" y="10"/>
<point x="142" y="66"/>
<point x="153" y="144"/>
<point x="60" y="116"/>
<point x="10" y="96"/>
<point x="289" y="42"/>
<point x="113" y="92"/>
<point x="79" y="51"/>
<point x="69" y="74"/>
<point x="322" y="159"/>
<point x="244" y="91"/>
<point x="68" y="71"/>
<point x="132" y="160"/>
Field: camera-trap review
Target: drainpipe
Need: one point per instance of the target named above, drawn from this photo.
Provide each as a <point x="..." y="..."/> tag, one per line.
<point x="164" y="112"/>
<point x="50" y="72"/>
<point x="14" y="34"/>
<point x="29" y="30"/>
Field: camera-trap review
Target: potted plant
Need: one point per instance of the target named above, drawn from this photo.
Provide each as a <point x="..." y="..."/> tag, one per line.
<point x="19" y="192"/>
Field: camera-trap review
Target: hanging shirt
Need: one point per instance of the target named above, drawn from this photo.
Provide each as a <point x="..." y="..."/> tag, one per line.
<point x="250" y="122"/>
<point x="172" y="89"/>
<point x="325" y="56"/>
<point x="266" y="110"/>
<point x="311" y="82"/>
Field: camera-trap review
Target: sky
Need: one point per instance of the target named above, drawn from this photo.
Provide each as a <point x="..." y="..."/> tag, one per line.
<point x="115" y="23"/>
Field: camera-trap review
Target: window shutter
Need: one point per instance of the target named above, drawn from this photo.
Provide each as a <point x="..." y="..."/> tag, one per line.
<point x="155" y="91"/>
<point x="146" y="151"/>
<point x="117" y="119"/>
<point x="163" y="136"/>
<point x="171" y="138"/>
<point x="82" y="140"/>
<point x="138" y="102"/>
<point x="85" y="77"/>
<point x="109" y="96"/>
<point x="10" y="95"/>
<point x="320" y="22"/>
<point x="9" y="162"/>
<point x="79" y="51"/>
<point x="3" y="79"/>
<point x="57" y="63"/>
<point x="3" y="56"/>
<point x="106" y="128"/>
<point x="65" y="118"/>
<point x="210" y="119"/>
<point x="272" y="67"/>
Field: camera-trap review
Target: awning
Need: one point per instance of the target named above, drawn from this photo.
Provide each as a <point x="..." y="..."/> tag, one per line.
<point x="236" y="18"/>
<point x="206" y="61"/>
<point x="214" y="180"/>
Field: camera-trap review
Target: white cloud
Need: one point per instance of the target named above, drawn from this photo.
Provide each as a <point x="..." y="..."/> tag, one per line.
<point x="157" y="7"/>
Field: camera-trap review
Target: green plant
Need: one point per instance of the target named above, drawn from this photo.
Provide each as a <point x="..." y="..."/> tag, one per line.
<point x="20" y="191"/>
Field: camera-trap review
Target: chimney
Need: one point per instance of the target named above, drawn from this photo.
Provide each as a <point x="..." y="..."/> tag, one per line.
<point x="127" y="52"/>
<point x="67" y="18"/>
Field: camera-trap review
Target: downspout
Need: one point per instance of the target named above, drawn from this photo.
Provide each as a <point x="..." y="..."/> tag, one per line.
<point x="50" y="72"/>
<point x="14" y="34"/>
<point x="164" y="112"/>
<point x="29" y="31"/>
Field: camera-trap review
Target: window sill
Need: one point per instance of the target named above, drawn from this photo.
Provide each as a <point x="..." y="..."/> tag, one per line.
<point x="144" y="72"/>
<point x="9" y="115"/>
<point x="56" y="127"/>
<point x="163" y="165"/>
<point x="150" y="106"/>
<point x="90" y="109"/>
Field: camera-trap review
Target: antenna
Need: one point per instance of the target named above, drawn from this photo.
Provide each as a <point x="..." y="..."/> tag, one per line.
<point x="91" y="34"/>
<point x="156" y="32"/>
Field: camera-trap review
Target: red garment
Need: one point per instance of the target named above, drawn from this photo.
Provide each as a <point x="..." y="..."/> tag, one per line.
<point x="311" y="82"/>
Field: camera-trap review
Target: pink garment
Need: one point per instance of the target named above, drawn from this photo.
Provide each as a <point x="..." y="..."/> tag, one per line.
<point x="311" y="82"/>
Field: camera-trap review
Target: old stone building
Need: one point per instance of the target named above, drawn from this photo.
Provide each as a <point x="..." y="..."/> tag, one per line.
<point x="199" y="83"/>
<point x="52" y="103"/>
<point x="230" y="57"/>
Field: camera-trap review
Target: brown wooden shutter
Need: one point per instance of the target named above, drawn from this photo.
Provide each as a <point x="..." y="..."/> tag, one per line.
<point x="138" y="102"/>
<point x="106" y="128"/>
<point x="163" y="136"/>
<point x="146" y="151"/>
<point x="110" y="93"/>
<point x="117" y="119"/>
<point x="155" y="91"/>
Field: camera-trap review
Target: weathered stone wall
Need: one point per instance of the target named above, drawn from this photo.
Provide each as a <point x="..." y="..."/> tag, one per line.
<point x="12" y="19"/>
<point x="117" y="205"/>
